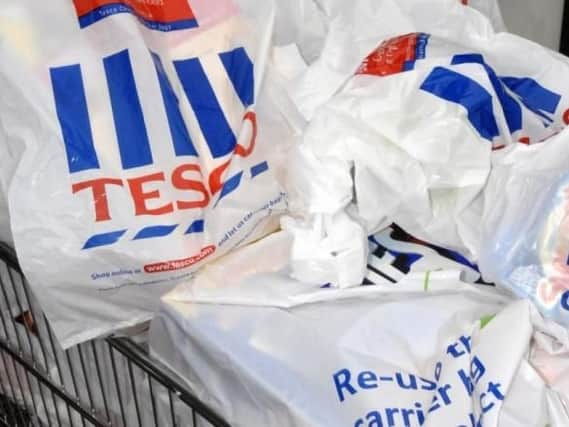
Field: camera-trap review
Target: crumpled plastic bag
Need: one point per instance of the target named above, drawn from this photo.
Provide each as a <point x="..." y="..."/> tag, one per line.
<point x="353" y="29"/>
<point x="525" y="225"/>
<point x="259" y="273"/>
<point x="409" y="139"/>
<point x="427" y="328"/>
<point x="432" y="357"/>
<point x="490" y="9"/>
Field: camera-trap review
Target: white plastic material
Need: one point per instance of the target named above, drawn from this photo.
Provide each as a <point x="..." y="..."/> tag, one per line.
<point x="258" y="274"/>
<point x="525" y="225"/>
<point x="415" y="346"/>
<point x="489" y="8"/>
<point x="431" y="358"/>
<point x="355" y="28"/>
<point x="142" y="141"/>
<point x="409" y="139"/>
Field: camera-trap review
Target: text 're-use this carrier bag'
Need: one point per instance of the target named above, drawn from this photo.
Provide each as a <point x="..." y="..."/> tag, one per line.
<point x="149" y="148"/>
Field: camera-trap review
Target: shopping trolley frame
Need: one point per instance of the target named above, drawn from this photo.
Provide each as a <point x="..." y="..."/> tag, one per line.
<point x="40" y="384"/>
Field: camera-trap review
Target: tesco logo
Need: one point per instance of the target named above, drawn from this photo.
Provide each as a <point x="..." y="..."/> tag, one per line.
<point x="217" y="136"/>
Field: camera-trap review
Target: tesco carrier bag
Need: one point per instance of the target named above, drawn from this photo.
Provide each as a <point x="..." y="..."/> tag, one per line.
<point x="147" y="144"/>
<point x="409" y="139"/>
<point x="433" y="357"/>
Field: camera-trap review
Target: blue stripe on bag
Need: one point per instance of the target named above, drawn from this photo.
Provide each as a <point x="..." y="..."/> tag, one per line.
<point x="73" y="116"/>
<point x="462" y="90"/>
<point x="240" y="71"/>
<point x="130" y="127"/>
<point x="183" y="145"/>
<point x="213" y="123"/>
<point x="155" y="231"/>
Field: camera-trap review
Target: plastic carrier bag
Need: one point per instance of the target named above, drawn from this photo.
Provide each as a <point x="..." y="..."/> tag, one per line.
<point x="525" y="231"/>
<point x="360" y="361"/>
<point x="147" y="144"/>
<point x="409" y="139"/>
<point x="413" y="346"/>
<point x="489" y="8"/>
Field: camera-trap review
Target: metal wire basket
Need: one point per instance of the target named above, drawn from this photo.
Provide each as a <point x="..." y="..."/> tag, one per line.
<point x="105" y="382"/>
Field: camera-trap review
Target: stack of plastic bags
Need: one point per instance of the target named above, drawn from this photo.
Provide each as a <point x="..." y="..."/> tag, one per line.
<point x="410" y="150"/>
<point x="454" y="133"/>
<point x="410" y="139"/>
<point x="417" y="136"/>
<point x="429" y="350"/>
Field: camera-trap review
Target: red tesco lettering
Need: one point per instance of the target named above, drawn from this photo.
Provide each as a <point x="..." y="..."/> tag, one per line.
<point x="145" y="190"/>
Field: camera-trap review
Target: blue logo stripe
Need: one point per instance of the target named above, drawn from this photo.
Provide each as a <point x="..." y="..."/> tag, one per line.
<point x="155" y="231"/>
<point x="512" y="110"/>
<point x="462" y="90"/>
<point x="150" y="232"/>
<point x="240" y="71"/>
<point x="182" y="142"/>
<point x="196" y="227"/>
<point x="103" y="239"/>
<point x="133" y="141"/>
<point x="73" y="115"/>
<point x="534" y="96"/>
<point x="212" y="121"/>
<point x="230" y="185"/>
<point x="115" y="8"/>
<point x="259" y="169"/>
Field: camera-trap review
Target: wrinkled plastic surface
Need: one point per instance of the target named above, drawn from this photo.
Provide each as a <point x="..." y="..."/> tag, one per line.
<point x="354" y="29"/>
<point x="525" y="240"/>
<point x="414" y="345"/>
<point x="489" y="8"/>
<point x="258" y="274"/>
<point x="338" y="362"/>
<point x="409" y="139"/>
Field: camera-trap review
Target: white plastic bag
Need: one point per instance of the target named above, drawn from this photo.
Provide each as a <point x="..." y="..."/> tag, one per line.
<point x="525" y="230"/>
<point x="355" y="28"/>
<point x="258" y="274"/>
<point x="150" y="145"/>
<point x="426" y="349"/>
<point x="408" y="140"/>
<point x="489" y="8"/>
<point x="431" y="358"/>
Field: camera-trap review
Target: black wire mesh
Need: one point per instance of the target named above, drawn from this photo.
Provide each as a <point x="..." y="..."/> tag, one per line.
<point x="101" y="383"/>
